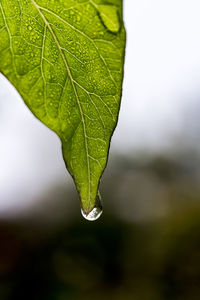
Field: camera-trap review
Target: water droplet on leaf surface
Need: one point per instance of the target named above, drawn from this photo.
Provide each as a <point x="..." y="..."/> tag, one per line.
<point x="96" y="212"/>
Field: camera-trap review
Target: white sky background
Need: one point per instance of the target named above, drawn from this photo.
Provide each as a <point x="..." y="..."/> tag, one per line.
<point x="162" y="71"/>
<point x="162" y="83"/>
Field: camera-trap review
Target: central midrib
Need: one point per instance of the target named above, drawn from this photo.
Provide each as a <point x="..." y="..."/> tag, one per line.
<point x="75" y="92"/>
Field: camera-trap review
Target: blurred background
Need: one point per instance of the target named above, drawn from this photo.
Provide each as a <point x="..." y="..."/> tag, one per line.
<point x="146" y="245"/>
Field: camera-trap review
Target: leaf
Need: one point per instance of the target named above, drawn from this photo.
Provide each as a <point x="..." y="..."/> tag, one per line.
<point x="65" y="58"/>
<point x="109" y="15"/>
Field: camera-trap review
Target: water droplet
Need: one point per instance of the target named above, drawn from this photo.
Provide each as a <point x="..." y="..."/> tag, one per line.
<point x="96" y="212"/>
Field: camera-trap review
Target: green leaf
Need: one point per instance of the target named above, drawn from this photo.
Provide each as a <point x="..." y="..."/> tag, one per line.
<point x="65" y="58"/>
<point x="109" y="15"/>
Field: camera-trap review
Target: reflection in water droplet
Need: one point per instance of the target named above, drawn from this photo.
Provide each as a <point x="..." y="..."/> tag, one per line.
<point x="96" y="212"/>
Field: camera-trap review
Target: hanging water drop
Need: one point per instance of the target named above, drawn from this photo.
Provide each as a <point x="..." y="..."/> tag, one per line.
<point x="96" y="212"/>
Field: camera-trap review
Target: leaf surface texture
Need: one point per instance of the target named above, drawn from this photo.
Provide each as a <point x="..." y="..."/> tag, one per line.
<point x="65" y="58"/>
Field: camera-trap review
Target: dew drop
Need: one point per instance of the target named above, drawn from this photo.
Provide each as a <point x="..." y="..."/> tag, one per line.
<point x="96" y="212"/>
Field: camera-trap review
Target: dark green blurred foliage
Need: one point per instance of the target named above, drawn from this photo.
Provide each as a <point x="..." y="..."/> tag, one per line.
<point x="146" y="246"/>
